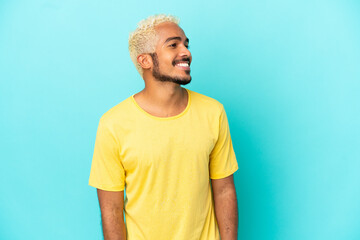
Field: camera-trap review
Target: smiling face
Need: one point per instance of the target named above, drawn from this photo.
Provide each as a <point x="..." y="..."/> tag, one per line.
<point x="172" y="58"/>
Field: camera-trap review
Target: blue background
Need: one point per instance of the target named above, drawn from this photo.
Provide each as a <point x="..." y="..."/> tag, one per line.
<point x="287" y="72"/>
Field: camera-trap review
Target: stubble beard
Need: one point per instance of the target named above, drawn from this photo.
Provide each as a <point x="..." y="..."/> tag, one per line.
<point x="166" y="78"/>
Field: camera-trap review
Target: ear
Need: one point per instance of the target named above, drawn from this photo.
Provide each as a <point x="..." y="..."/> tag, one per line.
<point x="145" y="61"/>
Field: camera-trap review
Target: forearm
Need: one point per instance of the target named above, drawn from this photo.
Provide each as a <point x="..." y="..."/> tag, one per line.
<point x="227" y="214"/>
<point x="112" y="214"/>
<point x="113" y="225"/>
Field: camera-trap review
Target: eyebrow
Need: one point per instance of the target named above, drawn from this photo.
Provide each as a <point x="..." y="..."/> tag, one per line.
<point x="176" y="38"/>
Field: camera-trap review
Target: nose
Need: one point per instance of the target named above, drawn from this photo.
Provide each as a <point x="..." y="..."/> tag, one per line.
<point x="184" y="52"/>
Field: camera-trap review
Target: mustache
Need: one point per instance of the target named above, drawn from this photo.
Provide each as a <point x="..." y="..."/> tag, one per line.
<point x="181" y="60"/>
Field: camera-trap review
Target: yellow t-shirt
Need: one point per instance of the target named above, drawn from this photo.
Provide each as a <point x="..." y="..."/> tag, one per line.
<point x="165" y="166"/>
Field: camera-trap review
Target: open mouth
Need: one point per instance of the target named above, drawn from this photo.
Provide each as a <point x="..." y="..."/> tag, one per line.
<point x="183" y="65"/>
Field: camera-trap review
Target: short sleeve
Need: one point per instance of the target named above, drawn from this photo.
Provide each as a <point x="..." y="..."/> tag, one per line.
<point x="222" y="158"/>
<point x="107" y="172"/>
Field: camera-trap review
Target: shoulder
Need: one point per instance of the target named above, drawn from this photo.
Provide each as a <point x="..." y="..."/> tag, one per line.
<point x="206" y="102"/>
<point x="117" y="113"/>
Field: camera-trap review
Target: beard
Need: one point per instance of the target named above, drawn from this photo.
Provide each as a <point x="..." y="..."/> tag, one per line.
<point x="166" y="78"/>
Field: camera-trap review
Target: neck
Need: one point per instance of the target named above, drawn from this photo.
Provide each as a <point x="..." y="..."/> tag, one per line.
<point x="162" y="99"/>
<point x="163" y="94"/>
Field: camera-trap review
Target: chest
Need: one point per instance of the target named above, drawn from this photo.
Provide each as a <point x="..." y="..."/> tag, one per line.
<point x="158" y="143"/>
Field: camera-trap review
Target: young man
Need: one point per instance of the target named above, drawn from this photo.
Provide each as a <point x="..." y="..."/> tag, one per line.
<point x="163" y="145"/>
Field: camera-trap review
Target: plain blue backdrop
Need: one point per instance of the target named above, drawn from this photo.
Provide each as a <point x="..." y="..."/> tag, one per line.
<point x="287" y="72"/>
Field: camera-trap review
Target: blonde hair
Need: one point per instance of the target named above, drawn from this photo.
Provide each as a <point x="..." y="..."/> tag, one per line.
<point x="144" y="38"/>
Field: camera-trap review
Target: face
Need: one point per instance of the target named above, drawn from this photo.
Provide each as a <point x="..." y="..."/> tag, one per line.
<point x="172" y="58"/>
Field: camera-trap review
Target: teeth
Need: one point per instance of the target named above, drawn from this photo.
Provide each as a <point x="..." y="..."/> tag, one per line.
<point x="183" y="64"/>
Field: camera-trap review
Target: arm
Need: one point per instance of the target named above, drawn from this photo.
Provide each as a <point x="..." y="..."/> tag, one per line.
<point x="112" y="215"/>
<point x="226" y="207"/>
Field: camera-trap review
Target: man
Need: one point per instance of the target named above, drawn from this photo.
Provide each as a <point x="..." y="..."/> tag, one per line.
<point x="163" y="145"/>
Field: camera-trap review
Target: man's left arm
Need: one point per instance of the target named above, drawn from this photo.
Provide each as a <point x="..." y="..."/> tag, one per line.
<point x="226" y="209"/>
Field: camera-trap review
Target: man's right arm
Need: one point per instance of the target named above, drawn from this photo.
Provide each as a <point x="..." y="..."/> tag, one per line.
<point x="112" y="214"/>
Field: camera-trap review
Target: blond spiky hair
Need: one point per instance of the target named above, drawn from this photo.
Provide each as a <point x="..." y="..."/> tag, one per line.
<point x="144" y="38"/>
